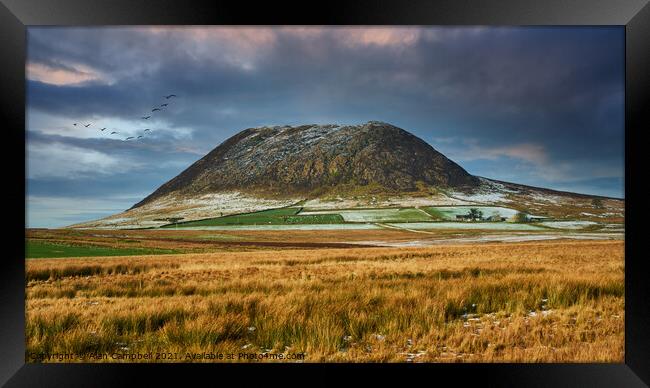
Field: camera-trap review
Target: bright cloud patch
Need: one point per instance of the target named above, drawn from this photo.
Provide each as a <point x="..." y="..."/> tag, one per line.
<point x="379" y="36"/>
<point x="532" y="153"/>
<point x="57" y="160"/>
<point x="62" y="75"/>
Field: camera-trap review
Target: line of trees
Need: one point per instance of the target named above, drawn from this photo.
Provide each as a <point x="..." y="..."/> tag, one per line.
<point x="476" y="214"/>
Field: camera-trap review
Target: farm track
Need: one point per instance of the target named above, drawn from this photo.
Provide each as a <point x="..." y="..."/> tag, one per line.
<point x="422" y="211"/>
<point x="400" y="228"/>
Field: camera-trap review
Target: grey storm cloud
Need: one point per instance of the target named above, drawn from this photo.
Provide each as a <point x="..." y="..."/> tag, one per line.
<point x="559" y="89"/>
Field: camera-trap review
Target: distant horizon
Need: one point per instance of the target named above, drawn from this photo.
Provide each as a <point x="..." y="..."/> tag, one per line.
<point x="537" y="106"/>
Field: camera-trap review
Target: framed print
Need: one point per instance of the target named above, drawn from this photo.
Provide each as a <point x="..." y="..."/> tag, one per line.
<point x="375" y="188"/>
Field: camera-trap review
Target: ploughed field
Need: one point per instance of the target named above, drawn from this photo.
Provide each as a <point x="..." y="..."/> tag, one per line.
<point x="552" y="301"/>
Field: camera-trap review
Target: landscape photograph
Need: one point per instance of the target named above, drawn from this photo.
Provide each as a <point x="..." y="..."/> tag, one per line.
<point x="320" y="194"/>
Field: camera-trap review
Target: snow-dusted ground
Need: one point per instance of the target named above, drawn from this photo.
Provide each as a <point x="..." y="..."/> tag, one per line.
<point x="374" y="215"/>
<point x="481" y="198"/>
<point x="495" y="238"/>
<point x="614" y="227"/>
<point x="451" y="212"/>
<point x="568" y="224"/>
<point x="602" y="215"/>
<point x="288" y="227"/>
<point x="348" y="203"/>
<point x="545" y="198"/>
<point x="488" y="193"/>
<point x="117" y="220"/>
<point x="465" y="225"/>
<point x="228" y="203"/>
<point x="207" y="206"/>
<point x="609" y="214"/>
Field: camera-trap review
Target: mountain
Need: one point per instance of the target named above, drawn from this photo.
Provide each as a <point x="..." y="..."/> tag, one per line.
<point x="318" y="159"/>
<point x="334" y="167"/>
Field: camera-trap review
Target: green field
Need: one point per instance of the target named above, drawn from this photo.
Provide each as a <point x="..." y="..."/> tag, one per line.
<point x="297" y="216"/>
<point x="377" y="215"/>
<point x="40" y="250"/>
<point x="435" y="213"/>
<point x="282" y="216"/>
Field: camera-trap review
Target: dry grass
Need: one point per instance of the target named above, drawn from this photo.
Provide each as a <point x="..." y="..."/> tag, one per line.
<point x="204" y="241"/>
<point x="554" y="301"/>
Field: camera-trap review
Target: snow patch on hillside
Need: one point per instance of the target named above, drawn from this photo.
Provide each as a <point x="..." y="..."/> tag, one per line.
<point x="489" y="192"/>
<point x="545" y="198"/>
<point x="206" y="206"/>
<point x="397" y="201"/>
<point x="487" y="198"/>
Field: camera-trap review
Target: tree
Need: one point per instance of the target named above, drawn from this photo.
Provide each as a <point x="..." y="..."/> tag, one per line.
<point x="174" y="220"/>
<point x="475" y="214"/>
<point x="521" y="217"/>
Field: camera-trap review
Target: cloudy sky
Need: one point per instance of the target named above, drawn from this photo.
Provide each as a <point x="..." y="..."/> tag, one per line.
<point x="539" y="106"/>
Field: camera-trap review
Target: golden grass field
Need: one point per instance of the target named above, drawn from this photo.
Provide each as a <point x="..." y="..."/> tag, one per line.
<point x="559" y="301"/>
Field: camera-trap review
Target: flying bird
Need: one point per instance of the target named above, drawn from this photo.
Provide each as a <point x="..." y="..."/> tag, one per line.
<point x="145" y="117"/>
<point x="140" y="136"/>
<point x="87" y="125"/>
<point x="75" y="124"/>
<point x="170" y="96"/>
<point x="130" y="137"/>
<point x="112" y="133"/>
<point x="164" y="104"/>
<point x="102" y="129"/>
<point x="147" y="130"/>
<point x="155" y="109"/>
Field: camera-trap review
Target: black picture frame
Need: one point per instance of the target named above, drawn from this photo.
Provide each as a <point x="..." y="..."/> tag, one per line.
<point x="16" y="15"/>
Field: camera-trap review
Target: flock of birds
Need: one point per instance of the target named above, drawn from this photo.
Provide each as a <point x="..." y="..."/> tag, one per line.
<point x="158" y="108"/>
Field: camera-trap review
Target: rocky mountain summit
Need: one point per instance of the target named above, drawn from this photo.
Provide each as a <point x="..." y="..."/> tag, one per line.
<point x="310" y="160"/>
